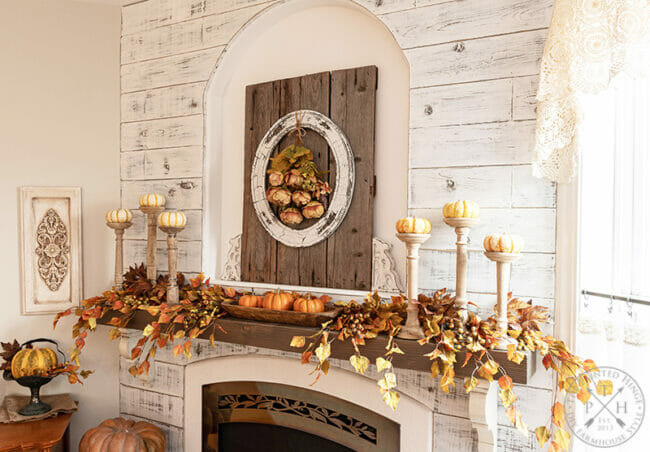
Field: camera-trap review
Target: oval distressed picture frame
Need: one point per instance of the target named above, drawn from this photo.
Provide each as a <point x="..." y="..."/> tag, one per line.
<point x="343" y="188"/>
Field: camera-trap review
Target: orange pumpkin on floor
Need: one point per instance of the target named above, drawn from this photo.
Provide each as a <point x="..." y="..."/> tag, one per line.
<point x="281" y="301"/>
<point x="309" y="305"/>
<point x="123" y="435"/>
<point x="251" y="301"/>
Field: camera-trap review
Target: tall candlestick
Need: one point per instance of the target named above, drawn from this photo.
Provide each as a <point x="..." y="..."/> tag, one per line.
<point x="461" y="227"/>
<point x="461" y="215"/>
<point x="119" y="220"/>
<point x="152" y="205"/>
<point x="412" y="328"/>
<point x="172" y="223"/>
<point x="502" y="249"/>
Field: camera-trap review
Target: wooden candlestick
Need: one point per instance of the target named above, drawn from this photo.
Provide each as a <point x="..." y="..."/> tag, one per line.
<point x="172" y="260"/>
<point x="503" y="261"/>
<point x="412" y="328"/>
<point x="462" y="227"/>
<point x="152" y="213"/>
<point x="119" y="229"/>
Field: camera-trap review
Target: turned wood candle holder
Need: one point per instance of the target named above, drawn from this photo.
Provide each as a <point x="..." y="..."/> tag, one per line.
<point x="172" y="260"/>
<point x="462" y="227"/>
<point x="119" y="229"/>
<point x="152" y="213"/>
<point x="504" y="261"/>
<point x="412" y="328"/>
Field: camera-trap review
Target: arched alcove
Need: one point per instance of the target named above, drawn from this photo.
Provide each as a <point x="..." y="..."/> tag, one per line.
<point x="289" y="39"/>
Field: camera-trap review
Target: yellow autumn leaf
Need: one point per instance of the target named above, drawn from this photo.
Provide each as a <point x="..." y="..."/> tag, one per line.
<point x="392" y="399"/>
<point x="114" y="334"/>
<point x="562" y="438"/>
<point x="360" y="363"/>
<point x="388" y="382"/>
<point x="543" y="435"/>
<point x="514" y="355"/>
<point x="92" y="322"/>
<point x="383" y="364"/>
<point x="298" y="341"/>
<point x="507" y="397"/>
<point x="148" y="330"/>
<point x="179" y="334"/>
<point x="435" y="369"/>
<point x="323" y="352"/>
<point x="470" y="383"/>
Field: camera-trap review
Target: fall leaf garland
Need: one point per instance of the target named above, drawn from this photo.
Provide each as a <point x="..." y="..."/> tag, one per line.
<point x="450" y="331"/>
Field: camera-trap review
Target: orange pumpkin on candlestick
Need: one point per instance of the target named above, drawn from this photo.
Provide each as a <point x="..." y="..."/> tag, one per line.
<point x="251" y="301"/>
<point x="281" y="301"/>
<point x="309" y="305"/>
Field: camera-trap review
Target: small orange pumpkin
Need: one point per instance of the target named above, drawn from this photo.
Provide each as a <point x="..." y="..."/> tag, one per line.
<point x="281" y="301"/>
<point x="123" y="435"/>
<point x="503" y="243"/>
<point x="251" y="301"/>
<point x="309" y="305"/>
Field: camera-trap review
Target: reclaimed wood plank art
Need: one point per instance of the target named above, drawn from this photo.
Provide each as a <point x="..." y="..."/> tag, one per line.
<point x="347" y="98"/>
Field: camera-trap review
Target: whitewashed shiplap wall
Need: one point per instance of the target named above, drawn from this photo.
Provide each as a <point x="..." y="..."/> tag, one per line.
<point x="474" y="67"/>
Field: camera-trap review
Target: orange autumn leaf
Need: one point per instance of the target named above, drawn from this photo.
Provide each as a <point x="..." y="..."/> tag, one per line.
<point x="558" y="414"/>
<point x="505" y="382"/>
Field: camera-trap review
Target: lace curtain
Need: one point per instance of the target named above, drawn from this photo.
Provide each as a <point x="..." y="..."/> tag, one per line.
<point x="589" y="42"/>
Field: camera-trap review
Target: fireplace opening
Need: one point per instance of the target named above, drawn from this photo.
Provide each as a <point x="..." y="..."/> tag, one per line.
<point x="251" y="416"/>
<point x="253" y="437"/>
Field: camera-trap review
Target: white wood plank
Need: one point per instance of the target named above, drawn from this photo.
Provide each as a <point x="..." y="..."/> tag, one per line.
<point x="433" y="188"/>
<point x="173" y="435"/>
<point x="151" y="405"/>
<point x="529" y="191"/>
<point x="174" y="70"/>
<point x="170" y="163"/>
<point x="461" y="104"/>
<point x="191" y="232"/>
<point x="385" y="6"/>
<point x="179" y="100"/>
<point x="512" y="55"/>
<point x="163" y="377"/>
<point x="180" y="193"/>
<point x="512" y="440"/>
<point x="156" y="13"/>
<point x="189" y="254"/>
<point x="535" y="405"/>
<point x="162" y="133"/>
<point x="453" y="21"/>
<point x="535" y="226"/>
<point x="532" y="275"/>
<point x="451" y="433"/>
<point x="191" y="35"/>
<point x="419" y="3"/>
<point x="476" y="144"/>
<point x="524" y="102"/>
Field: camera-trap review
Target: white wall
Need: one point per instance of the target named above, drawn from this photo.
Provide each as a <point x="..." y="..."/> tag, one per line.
<point x="340" y="37"/>
<point x="59" y="126"/>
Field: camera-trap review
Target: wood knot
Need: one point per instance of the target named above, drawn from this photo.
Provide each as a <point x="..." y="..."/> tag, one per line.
<point x="379" y="2"/>
<point x="451" y="185"/>
<point x="187" y="185"/>
<point x="459" y="47"/>
<point x="428" y="109"/>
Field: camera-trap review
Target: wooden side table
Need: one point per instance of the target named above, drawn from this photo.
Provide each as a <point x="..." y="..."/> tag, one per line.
<point x="40" y="435"/>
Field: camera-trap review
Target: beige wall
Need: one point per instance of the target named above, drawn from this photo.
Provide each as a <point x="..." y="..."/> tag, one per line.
<point x="59" y="125"/>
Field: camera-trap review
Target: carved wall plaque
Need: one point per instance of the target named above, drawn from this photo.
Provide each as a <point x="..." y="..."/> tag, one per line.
<point x="51" y="248"/>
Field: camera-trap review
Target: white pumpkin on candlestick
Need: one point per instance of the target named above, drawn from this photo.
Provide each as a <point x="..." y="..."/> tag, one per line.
<point x="152" y="200"/>
<point x="461" y="209"/>
<point x="119" y="216"/>
<point x="503" y="243"/>
<point x="172" y="219"/>
<point x="410" y="225"/>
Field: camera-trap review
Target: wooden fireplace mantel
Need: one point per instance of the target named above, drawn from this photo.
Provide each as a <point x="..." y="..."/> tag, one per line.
<point x="277" y="336"/>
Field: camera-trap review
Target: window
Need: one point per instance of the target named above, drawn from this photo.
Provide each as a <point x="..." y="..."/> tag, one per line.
<point x="614" y="234"/>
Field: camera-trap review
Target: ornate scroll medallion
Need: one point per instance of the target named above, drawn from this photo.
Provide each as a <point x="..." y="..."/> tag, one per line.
<point x="53" y="250"/>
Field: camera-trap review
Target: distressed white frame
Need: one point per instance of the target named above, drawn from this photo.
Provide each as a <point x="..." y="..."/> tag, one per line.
<point x="343" y="187"/>
<point x="30" y="305"/>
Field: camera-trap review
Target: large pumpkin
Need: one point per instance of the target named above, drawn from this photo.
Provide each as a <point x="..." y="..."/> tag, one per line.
<point x="412" y="225"/>
<point x="33" y="361"/>
<point x="251" y="301"/>
<point x="123" y="435"/>
<point x="503" y="243"/>
<point x="281" y="301"/>
<point x="461" y="209"/>
<point x="309" y="305"/>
